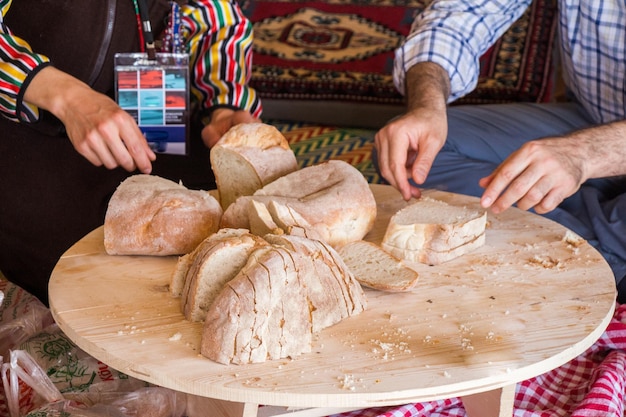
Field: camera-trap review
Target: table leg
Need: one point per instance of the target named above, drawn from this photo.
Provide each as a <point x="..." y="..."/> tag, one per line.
<point x="496" y="403"/>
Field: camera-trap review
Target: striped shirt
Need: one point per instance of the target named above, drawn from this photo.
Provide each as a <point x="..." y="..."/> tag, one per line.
<point x="592" y="34"/>
<point x="217" y="36"/>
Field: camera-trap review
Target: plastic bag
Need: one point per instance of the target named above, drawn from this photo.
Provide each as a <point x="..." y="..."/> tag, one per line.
<point x="21" y="316"/>
<point x="153" y="402"/>
<point x="26" y="385"/>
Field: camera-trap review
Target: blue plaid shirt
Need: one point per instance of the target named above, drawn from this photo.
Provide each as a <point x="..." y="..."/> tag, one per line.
<point x="454" y="34"/>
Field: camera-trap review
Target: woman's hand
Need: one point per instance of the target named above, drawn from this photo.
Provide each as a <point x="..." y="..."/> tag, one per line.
<point x="97" y="127"/>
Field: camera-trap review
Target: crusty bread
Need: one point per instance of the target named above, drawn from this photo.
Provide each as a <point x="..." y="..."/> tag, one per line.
<point x="330" y="201"/>
<point x="215" y="262"/>
<point x="287" y="290"/>
<point x="376" y="268"/>
<point x="332" y="290"/>
<point x="247" y="157"/>
<point x="150" y="215"/>
<point x="432" y="231"/>
<point x="184" y="262"/>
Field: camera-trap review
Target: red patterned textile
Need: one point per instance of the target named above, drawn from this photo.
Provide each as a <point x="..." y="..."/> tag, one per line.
<point x="343" y="50"/>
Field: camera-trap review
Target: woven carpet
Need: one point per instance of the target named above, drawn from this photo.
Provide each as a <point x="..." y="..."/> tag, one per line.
<point x="314" y="143"/>
<point x="343" y="50"/>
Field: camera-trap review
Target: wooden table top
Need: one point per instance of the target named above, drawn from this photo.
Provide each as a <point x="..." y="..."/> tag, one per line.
<point x="523" y="304"/>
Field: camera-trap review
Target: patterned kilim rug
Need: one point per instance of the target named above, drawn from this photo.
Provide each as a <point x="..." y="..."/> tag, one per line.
<point x="313" y="144"/>
<point x="343" y="50"/>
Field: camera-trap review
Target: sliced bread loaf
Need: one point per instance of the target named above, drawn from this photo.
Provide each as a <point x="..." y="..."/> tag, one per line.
<point x="213" y="264"/>
<point x="432" y="231"/>
<point x="284" y="293"/>
<point x="331" y="200"/>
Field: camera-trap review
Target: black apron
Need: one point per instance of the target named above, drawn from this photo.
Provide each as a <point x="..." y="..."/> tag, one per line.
<point x="51" y="196"/>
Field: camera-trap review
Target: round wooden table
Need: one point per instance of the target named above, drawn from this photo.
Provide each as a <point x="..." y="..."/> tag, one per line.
<point x="525" y="303"/>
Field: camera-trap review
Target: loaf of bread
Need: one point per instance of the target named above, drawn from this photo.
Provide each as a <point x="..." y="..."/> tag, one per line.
<point x="264" y="298"/>
<point x="247" y="157"/>
<point x="431" y="231"/>
<point x="376" y="268"/>
<point x="330" y="201"/>
<point x="215" y="262"/>
<point x="150" y="215"/>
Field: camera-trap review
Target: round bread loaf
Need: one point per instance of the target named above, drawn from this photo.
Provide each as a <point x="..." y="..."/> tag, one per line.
<point x="330" y="201"/>
<point x="150" y="215"/>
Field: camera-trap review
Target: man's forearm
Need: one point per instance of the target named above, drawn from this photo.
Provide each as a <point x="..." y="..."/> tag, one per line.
<point x="604" y="149"/>
<point x="427" y="85"/>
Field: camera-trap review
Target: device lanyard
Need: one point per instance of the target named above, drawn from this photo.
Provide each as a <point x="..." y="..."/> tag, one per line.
<point x="146" y="36"/>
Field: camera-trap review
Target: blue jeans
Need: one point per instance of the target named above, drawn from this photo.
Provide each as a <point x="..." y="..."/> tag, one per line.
<point x="481" y="137"/>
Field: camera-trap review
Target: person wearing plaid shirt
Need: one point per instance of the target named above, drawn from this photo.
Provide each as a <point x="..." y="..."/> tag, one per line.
<point x="66" y="144"/>
<point x="565" y="161"/>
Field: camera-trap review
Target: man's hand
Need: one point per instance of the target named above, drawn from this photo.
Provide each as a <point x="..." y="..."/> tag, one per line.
<point x="540" y="175"/>
<point x="407" y="147"/>
<point x="97" y="127"/>
<point x="222" y="120"/>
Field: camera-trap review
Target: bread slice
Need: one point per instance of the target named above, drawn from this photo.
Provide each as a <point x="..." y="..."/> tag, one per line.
<point x="247" y="157"/>
<point x="184" y="262"/>
<point x="431" y="231"/>
<point x="214" y="263"/>
<point x="150" y="215"/>
<point x="376" y="268"/>
<point x="331" y="200"/>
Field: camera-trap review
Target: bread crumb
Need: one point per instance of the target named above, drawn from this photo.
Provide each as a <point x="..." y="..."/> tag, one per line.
<point x="175" y="337"/>
<point x="466" y="344"/>
<point x="347" y="382"/>
<point x="545" y="262"/>
<point x="447" y="374"/>
<point x="572" y="239"/>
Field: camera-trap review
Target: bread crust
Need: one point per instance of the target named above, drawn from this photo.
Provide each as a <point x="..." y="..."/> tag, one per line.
<point x="150" y="215"/>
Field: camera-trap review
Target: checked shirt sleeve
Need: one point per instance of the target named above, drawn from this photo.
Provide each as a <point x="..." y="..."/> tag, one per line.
<point x="454" y="34"/>
<point x="219" y="38"/>
<point x="18" y="63"/>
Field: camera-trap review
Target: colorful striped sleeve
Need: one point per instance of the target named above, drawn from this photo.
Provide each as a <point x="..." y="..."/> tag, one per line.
<point x="219" y="41"/>
<point x="17" y="63"/>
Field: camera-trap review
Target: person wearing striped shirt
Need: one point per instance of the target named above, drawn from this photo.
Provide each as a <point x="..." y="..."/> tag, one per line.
<point x="564" y="160"/>
<point x="66" y="144"/>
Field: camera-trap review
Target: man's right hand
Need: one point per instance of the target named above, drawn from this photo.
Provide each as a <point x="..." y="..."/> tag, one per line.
<point x="408" y="145"/>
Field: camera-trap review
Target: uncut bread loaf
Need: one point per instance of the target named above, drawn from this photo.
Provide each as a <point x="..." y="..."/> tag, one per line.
<point x="330" y="201"/>
<point x="432" y="231"/>
<point x="150" y="215"/>
<point x="287" y="290"/>
<point x="247" y="157"/>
